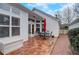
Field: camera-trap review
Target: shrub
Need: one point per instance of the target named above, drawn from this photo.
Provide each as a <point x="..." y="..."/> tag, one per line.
<point x="74" y="38"/>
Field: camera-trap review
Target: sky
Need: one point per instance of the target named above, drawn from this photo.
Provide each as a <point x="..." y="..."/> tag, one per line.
<point x="49" y="8"/>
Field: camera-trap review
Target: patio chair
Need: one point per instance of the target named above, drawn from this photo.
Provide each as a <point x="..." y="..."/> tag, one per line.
<point x="40" y="34"/>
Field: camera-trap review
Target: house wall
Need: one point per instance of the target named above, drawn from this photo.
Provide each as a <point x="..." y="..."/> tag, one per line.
<point x="76" y="25"/>
<point x="8" y="44"/>
<point x="24" y="26"/>
<point x="51" y="24"/>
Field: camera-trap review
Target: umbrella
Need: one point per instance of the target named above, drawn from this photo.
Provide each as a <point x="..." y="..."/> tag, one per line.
<point x="44" y="24"/>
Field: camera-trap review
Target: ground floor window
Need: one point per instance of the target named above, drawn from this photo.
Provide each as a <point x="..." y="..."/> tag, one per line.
<point x="42" y="27"/>
<point x="5" y="26"/>
<point x="38" y="27"/>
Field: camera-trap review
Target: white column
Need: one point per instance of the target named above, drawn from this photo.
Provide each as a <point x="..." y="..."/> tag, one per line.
<point x="40" y="26"/>
<point x="10" y="29"/>
<point x="35" y="27"/>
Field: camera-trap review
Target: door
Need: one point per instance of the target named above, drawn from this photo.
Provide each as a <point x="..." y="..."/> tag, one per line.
<point x="29" y="29"/>
<point x="32" y="28"/>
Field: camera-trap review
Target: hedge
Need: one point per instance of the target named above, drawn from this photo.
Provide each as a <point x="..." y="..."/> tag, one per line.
<point x="74" y="38"/>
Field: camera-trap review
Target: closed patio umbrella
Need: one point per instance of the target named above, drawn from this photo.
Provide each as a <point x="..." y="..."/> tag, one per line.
<point x="44" y="27"/>
<point x="44" y="24"/>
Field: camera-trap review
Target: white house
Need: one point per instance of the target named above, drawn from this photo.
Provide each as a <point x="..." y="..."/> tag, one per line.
<point x="17" y="23"/>
<point x="13" y="26"/>
<point x="52" y="24"/>
<point x="74" y="24"/>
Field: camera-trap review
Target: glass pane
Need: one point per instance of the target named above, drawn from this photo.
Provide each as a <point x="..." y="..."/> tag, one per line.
<point x="29" y="29"/>
<point x="4" y="31"/>
<point x="33" y="29"/>
<point x="37" y="25"/>
<point x="15" y="21"/>
<point x="38" y="21"/>
<point x="4" y="20"/>
<point x="15" y="31"/>
<point x="42" y="20"/>
<point x="37" y="29"/>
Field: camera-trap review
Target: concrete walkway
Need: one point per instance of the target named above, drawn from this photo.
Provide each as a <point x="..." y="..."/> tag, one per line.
<point x="62" y="46"/>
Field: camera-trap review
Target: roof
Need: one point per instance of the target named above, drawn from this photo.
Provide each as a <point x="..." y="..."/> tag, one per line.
<point x="44" y="13"/>
<point x="31" y="13"/>
<point x="75" y="21"/>
<point x="17" y="5"/>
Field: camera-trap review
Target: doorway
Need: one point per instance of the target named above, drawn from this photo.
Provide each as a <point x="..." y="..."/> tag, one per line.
<point x="32" y="28"/>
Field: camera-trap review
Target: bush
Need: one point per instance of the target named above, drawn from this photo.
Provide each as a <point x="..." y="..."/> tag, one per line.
<point x="74" y="38"/>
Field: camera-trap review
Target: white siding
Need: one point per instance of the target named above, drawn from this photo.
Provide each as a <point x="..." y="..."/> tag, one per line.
<point x="74" y="26"/>
<point x="24" y="25"/>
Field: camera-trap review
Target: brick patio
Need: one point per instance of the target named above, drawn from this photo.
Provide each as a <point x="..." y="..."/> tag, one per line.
<point x="36" y="46"/>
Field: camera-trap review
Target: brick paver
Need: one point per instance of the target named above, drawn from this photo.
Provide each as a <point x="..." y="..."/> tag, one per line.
<point x="35" y="46"/>
<point x="62" y="46"/>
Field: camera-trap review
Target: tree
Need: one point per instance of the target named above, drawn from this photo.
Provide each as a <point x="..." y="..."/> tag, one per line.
<point x="67" y="15"/>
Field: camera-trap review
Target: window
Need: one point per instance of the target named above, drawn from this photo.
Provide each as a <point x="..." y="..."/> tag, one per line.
<point x="42" y="27"/>
<point x="32" y="20"/>
<point x="15" y="31"/>
<point x="15" y="21"/>
<point x="15" y="26"/>
<point x="5" y="26"/>
<point x="4" y="31"/>
<point x="37" y="27"/>
<point x="4" y="20"/>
